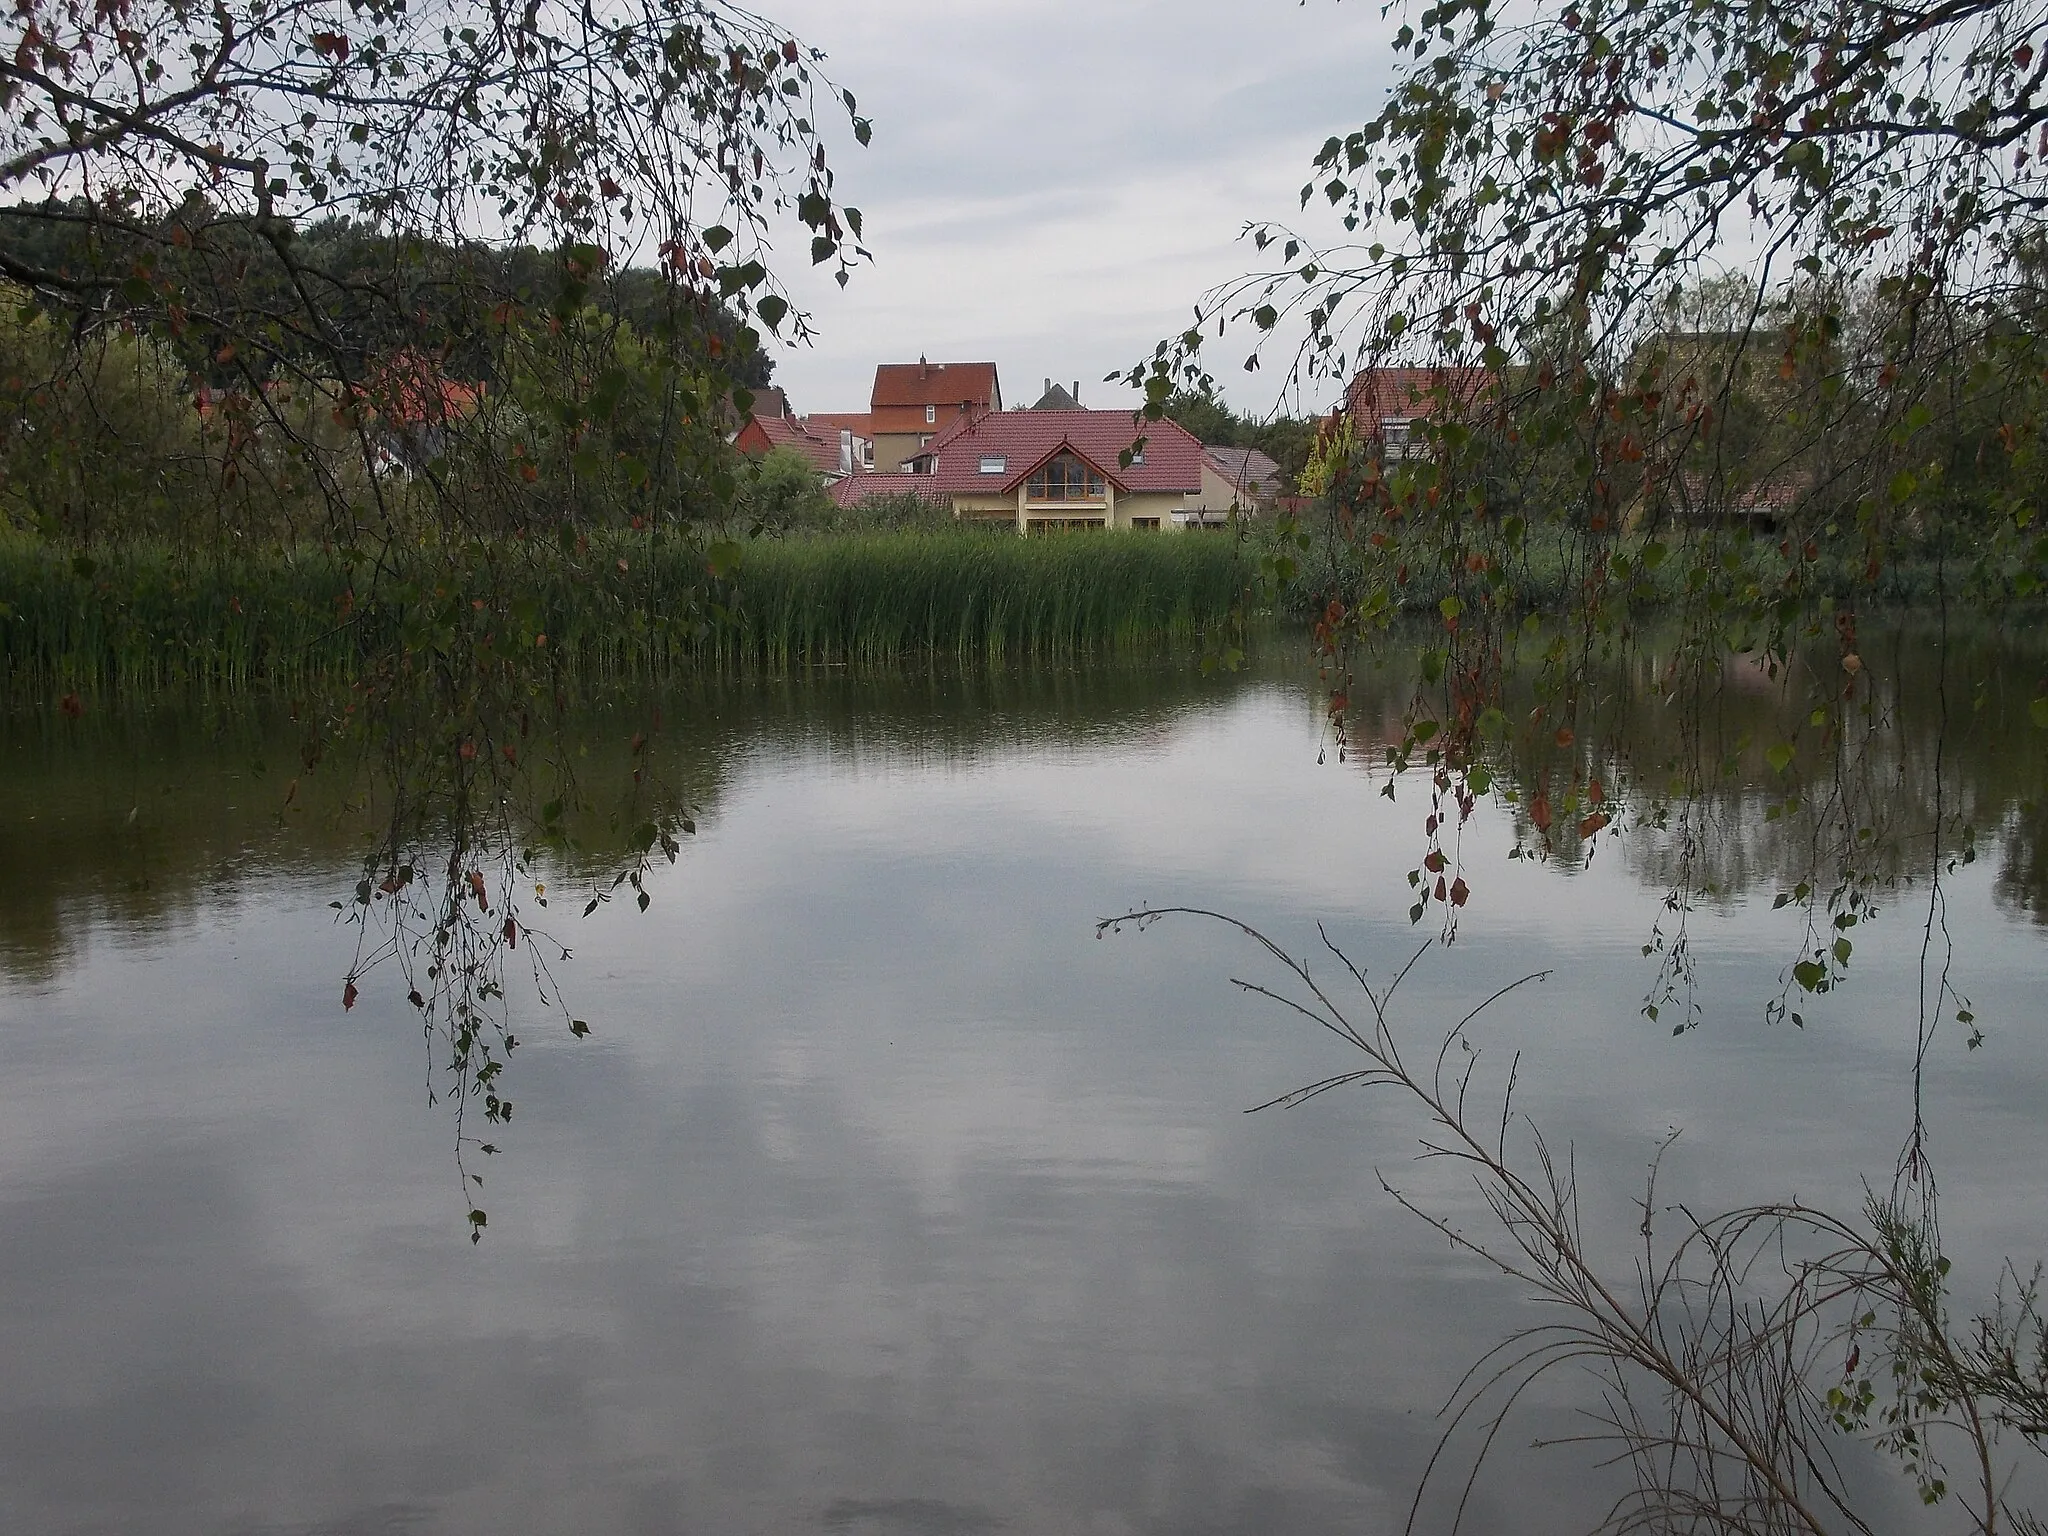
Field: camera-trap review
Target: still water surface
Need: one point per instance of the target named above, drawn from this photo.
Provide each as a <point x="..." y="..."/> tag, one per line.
<point x="886" y="1198"/>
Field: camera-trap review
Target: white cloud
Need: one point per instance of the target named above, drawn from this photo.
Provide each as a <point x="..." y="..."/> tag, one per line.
<point x="1054" y="185"/>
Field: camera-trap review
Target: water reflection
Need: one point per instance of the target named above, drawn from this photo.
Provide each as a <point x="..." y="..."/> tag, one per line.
<point x="886" y="1199"/>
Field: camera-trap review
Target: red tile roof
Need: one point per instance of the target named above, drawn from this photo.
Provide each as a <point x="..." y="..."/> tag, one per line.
<point x="1377" y="393"/>
<point x="855" y="489"/>
<point x="923" y="383"/>
<point x="1026" y="439"/>
<point x="829" y="423"/>
<point x="763" y="434"/>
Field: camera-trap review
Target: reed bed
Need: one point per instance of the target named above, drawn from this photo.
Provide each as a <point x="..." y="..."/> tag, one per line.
<point x="975" y="598"/>
<point x="151" y="619"/>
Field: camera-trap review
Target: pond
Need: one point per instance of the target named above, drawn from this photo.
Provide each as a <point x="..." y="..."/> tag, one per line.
<point x="886" y="1197"/>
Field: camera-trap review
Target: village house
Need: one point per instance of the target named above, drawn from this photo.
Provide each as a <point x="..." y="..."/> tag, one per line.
<point x="912" y="403"/>
<point x="834" y="455"/>
<point x="1240" y="478"/>
<point x="1048" y="471"/>
<point x="1386" y="404"/>
<point x="1056" y="398"/>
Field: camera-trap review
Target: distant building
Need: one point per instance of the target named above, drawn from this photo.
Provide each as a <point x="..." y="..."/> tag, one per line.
<point x="1243" y="478"/>
<point x="1049" y="471"/>
<point x="1057" y="399"/>
<point x="1385" y="404"/>
<point x="860" y="424"/>
<point x="913" y="403"/>
<point x="834" y="455"/>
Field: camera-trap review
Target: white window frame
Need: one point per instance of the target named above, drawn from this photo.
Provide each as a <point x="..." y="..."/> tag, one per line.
<point x="994" y="463"/>
<point x="931" y="415"/>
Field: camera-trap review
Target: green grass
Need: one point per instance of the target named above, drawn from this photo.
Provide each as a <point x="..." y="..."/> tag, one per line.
<point x="149" y="619"/>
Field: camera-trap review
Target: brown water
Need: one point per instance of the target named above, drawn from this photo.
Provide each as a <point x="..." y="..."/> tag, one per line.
<point x="886" y="1198"/>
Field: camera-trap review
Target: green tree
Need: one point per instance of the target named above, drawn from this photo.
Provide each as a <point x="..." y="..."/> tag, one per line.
<point x="1730" y="311"/>
<point x="376" y="251"/>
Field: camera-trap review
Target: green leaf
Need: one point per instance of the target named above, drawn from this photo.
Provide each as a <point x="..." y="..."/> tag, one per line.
<point x="771" y="308"/>
<point x="2038" y="712"/>
<point x="1780" y="756"/>
<point x="1809" y="974"/>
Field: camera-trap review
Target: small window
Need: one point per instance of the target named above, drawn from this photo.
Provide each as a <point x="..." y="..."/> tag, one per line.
<point x="1138" y="455"/>
<point x="931" y="414"/>
<point x="994" y="463"/>
<point x="1145" y="522"/>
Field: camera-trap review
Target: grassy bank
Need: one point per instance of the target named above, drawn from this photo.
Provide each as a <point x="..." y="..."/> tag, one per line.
<point x="149" y="618"/>
<point x="1548" y="575"/>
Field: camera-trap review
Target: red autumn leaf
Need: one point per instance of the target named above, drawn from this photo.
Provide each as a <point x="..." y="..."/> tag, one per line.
<point x="1460" y="892"/>
<point x="1435" y="862"/>
<point x="348" y="996"/>
<point x="511" y="934"/>
<point x="467" y="751"/>
<point x="476" y="889"/>
<point x="1539" y="812"/>
<point x="1439" y="887"/>
<point x="1595" y="794"/>
<point x="511" y="753"/>
<point x="1564" y="736"/>
<point x="72" y="706"/>
<point x="1592" y="824"/>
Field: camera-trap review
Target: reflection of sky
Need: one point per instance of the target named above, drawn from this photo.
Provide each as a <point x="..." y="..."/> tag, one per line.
<point x="887" y="1198"/>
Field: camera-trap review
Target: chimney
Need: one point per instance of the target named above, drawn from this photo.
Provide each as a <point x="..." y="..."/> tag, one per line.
<point x="1077" y="392"/>
<point x="1048" y="386"/>
<point x="846" y="450"/>
<point x="924" y="369"/>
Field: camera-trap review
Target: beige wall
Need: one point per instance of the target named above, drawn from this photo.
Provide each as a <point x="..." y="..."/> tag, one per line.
<point x="1218" y="492"/>
<point x="1115" y="510"/>
<point x="892" y="448"/>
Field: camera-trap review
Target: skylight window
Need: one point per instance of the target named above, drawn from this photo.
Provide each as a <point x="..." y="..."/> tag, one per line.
<point x="994" y="463"/>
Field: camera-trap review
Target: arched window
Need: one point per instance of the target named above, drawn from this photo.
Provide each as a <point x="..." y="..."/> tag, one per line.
<point x="1065" y="478"/>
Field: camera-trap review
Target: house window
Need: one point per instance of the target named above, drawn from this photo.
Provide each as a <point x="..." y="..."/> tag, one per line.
<point x="994" y="463"/>
<point x="931" y="414"/>
<point x="1145" y="522"/>
<point x="1137" y="455"/>
<point x="1394" y="435"/>
<point x="1066" y="478"/>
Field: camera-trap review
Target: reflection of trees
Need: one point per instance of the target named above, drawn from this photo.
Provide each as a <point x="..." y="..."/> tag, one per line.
<point x="1709" y="814"/>
<point x="144" y="820"/>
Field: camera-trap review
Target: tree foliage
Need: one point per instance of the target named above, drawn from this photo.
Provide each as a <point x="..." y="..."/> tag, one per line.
<point x="362" y="275"/>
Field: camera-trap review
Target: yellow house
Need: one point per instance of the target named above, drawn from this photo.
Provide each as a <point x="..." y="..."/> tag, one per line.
<point x="1054" y="471"/>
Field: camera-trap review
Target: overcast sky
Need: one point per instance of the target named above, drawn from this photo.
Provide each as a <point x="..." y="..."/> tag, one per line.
<point x="1053" y="183"/>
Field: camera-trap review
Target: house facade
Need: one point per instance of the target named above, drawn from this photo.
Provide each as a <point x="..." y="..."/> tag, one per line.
<point x="1388" y="406"/>
<point x="913" y="403"/>
<point x="1243" y="480"/>
<point x="1052" y="471"/>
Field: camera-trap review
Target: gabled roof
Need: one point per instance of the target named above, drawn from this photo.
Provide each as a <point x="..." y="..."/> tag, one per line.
<point x="1024" y="440"/>
<point x="1056" y="398"/>
<point x="855" y="489"/>
<point x="830" y="423"/>
<point x="1244" y="467"/>
<point x="923" y="383"/>
<point x="1377" y="393"/>
<point x="788" y="432"/>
